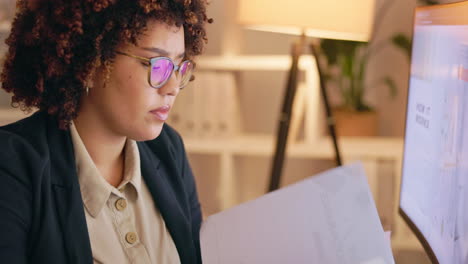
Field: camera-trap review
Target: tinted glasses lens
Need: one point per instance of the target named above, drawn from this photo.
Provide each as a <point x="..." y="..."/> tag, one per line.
<point x="161" y="70"/>
<point x="185" y="72"/>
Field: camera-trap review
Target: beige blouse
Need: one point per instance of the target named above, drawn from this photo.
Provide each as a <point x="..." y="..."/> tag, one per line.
<point x="123" y="223"/>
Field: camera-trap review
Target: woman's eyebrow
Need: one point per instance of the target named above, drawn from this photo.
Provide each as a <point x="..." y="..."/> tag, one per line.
<point x="163" y="52"/>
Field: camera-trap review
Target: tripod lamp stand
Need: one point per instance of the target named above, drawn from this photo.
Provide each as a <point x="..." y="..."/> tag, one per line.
<point x="334" y="19"/>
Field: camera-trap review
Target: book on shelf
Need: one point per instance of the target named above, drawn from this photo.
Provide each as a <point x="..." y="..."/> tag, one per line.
<point x="228" y="110"/>
<point x="207" y="107"/>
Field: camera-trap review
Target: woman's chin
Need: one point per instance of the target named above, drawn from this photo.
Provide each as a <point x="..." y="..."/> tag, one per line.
<point x="148" y="133"/>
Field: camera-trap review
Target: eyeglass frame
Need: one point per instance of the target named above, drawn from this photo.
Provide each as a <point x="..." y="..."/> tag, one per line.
<point x="149" y="60"/>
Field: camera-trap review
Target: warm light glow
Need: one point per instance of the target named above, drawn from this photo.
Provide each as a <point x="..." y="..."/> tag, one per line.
<point x="336" y="19"/>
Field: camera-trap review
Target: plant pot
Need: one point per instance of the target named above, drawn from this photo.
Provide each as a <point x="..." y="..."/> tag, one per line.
<point x="356" y="123"/>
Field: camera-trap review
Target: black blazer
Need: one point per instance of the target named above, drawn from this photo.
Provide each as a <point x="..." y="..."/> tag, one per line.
<point x="42" y="218"/>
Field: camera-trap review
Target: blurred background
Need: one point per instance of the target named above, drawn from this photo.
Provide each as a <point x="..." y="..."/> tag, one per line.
<point x="228" y="116"/>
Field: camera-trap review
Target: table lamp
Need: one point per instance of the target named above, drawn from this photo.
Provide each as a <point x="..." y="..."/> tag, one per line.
<point x="333" y="19"/>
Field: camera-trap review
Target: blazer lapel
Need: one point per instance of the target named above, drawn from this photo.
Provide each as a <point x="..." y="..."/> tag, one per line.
<point x="166" y="200"/>
<point x="67" y="195"/>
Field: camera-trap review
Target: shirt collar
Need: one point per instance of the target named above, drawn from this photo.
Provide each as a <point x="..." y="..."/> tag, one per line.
<point x="95" y="190"/>
<point x="132" y="170"/>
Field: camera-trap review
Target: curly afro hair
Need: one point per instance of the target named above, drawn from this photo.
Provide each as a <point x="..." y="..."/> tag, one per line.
<point x="56" y="45"/>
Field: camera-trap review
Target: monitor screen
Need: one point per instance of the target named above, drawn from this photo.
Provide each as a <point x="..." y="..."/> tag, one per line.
<point x="434" y="189"/>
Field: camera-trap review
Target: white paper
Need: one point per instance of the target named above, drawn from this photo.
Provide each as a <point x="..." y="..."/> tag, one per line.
<point x="328" y="218"/>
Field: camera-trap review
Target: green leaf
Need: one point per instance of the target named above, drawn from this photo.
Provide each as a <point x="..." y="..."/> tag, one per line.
<point x="403" y="42"/>
<point x="365" y="108"/>
<point x="330" y="50"/>
<point x="391" y="86"/>
<point x="333" y="48"/>
<point x="346" y="61"/>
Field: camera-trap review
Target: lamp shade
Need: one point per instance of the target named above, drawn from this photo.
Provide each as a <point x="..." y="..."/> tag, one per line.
<point x="335" y="19"/>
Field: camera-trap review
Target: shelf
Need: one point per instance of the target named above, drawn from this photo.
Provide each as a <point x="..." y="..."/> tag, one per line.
<point x="262" y="145"/>
<point x="261" y="63"/>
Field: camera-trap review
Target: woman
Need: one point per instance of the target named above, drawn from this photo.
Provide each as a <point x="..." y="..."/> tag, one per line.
<point x="95" y="175"/>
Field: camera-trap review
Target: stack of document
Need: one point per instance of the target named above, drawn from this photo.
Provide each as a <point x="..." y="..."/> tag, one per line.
<point x="327" y="218"/>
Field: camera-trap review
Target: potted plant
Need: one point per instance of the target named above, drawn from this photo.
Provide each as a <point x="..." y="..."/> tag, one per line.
<point x="346" y="69"/>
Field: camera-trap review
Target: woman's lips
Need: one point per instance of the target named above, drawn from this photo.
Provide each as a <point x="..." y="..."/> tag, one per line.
<point x="161" y="113"/>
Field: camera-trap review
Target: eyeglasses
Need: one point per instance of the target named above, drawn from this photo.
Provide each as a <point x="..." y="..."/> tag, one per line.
<point x="161" y="69"/>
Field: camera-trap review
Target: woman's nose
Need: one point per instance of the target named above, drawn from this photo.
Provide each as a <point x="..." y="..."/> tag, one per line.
<point x="171" y="87"/>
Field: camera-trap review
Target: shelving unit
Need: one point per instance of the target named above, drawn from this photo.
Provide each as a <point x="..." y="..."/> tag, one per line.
<point x="367" y="150"/>
<point x="307" y="106"/>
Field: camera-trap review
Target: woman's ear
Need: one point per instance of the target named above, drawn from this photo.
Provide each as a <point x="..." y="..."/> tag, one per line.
<point x="96" y="76"/>
<point x="89" y="83"/>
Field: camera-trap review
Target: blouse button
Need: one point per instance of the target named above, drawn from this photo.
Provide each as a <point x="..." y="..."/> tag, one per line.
<point x="131" y="237"/>
<point x="121" y="204"/>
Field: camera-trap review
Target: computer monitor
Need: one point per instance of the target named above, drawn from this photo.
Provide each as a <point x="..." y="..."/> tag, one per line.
<point x="434" y="188"/>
